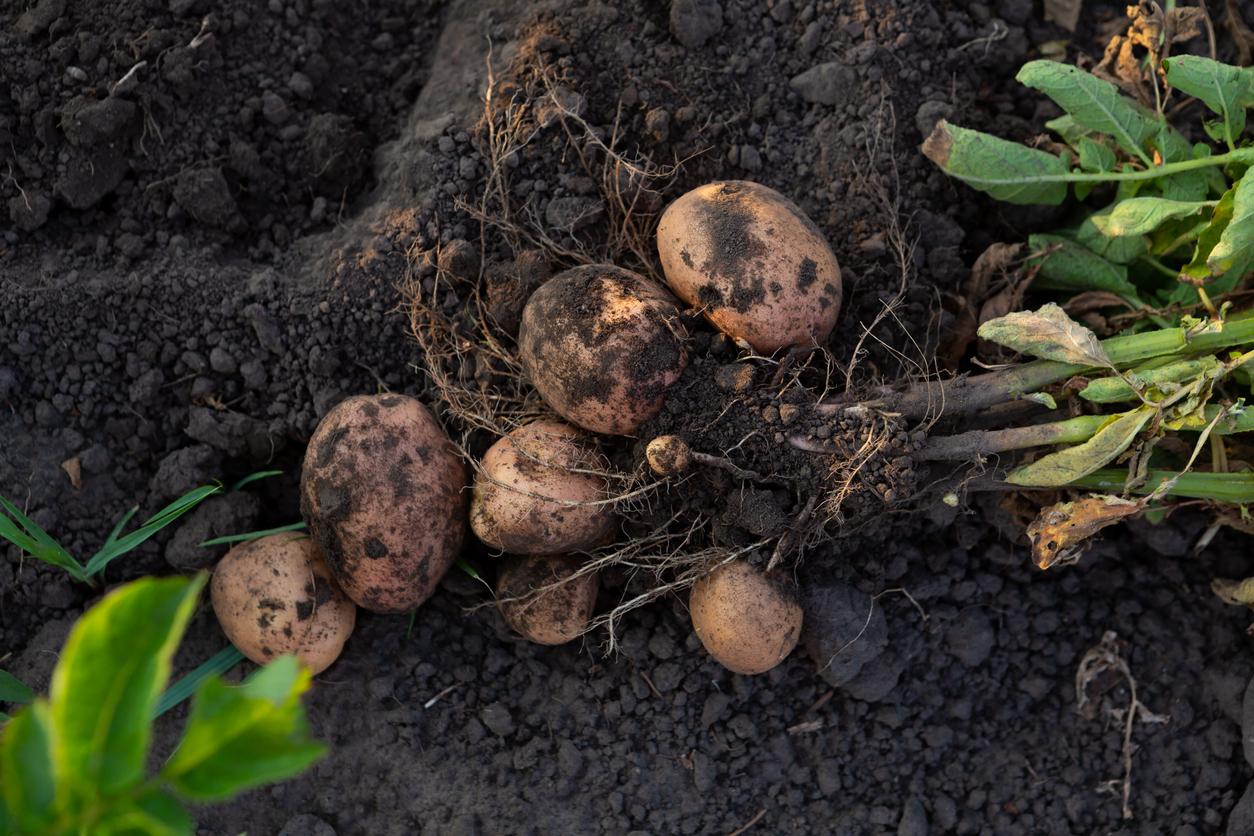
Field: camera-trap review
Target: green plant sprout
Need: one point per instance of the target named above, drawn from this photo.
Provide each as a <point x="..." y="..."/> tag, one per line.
<point x="1178" y="227"/>
<point x="75" y="762"/>
<point x="27" y="535"/>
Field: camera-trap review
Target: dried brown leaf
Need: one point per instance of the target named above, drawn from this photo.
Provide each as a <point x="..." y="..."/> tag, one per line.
<point x="74" y="469"/>
<point x="1233" y="591"/>
<point x="1066" y="13"/>
<point x="1059" y="532"/>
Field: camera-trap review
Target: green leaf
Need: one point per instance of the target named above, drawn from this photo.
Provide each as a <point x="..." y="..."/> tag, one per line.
<point x="112" y="670"/>
<point x="26" y="776"/>
<point x="241" y="737"/>
<point x="1234" y="253"/>
<point x="153" y="813"/>
<point x="253" y="477"/>
<point x="1222" y="88"/>
<point x="1006" y="170"/>
<point x="1047" y="333"/>
<point x="116" y="546"/>
<point x="1094" y="103"/>
<point x="13" y="689"/>
<point x="25" y="533"/>
<point x="253" y="535"/>
<point x="1123" y="249"/>
<point x="1066" y="265"/>
<point x="218" y="663"/>
<point x="1094" y="156"/>
<point x="1043" y="398"/>
<point x="1142" y="215"/>
<point x="1201" y="268"/>
<point x="1069" y="129"/>
<point x="1065" y="466"/>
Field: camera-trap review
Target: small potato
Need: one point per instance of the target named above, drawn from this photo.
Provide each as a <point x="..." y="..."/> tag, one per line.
<point x="756" y="266"/>
<point x="527" y="483"/>
<point x="275" y="595"/>
<point x="553" y="617"/>
<point x="381" y="490"/>
<point x="602" y="345"/>
<point x="748" y="622"/>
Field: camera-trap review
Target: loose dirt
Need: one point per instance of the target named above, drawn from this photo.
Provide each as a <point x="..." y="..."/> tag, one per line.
<point x="201" y="256"/>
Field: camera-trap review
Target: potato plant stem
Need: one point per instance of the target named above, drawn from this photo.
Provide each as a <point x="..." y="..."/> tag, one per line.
<point x="1235" y="488"/>
<point x="1068" y="431"/>
<point x="1240" y="155"/>
<point x="965" y="395"/>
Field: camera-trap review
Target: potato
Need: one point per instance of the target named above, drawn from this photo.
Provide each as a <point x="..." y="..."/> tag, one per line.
<point x="602" y="345"/>
<point x="753" y="263"/>
<point x="748" y="622"/>
<point x="381" y="490"/>
<point x="553" y="617"/>
<point x="275" y="595"/>
<point x="527" y="480"/>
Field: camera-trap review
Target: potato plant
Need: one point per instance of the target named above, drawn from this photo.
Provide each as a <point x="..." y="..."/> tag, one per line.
<point x="1164" y="223"/>
<point x="76" y="761"/>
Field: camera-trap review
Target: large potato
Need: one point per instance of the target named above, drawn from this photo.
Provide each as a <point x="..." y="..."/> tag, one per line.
<point x="275" y="595"/>
<point x="381" y="490"/>
<point x="602" y="345"/>
<point x="748" y="622"/>
<point x="753" y="263"/>
<point x="528" y="490"/>
<point x="555" y="616"/>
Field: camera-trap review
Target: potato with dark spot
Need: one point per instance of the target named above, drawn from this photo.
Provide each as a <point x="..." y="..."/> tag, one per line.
<point x="538" y="491"/>
<point x="602" y="345"/>
<point x="747" y="621"/>
<point x="382" y="492"/>
<point x="276" y="595"/>
<point x="556" y="615"/>
<point x="750" y="260"/>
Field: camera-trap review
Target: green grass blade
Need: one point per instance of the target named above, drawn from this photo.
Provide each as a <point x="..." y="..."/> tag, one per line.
<point x="253" y="535"/>
<point x="14" y="690"/>
<point x="253" y="477"/>
<point x="216" y="665"/>
<point x="36" y="542"/>
<point x="160" y="520"/>
<point x="121" y="524"/>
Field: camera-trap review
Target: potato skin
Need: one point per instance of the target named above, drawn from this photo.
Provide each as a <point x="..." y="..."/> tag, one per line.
<point x="555" y="617"/>
<point x="751" y="260"/>
<point x="602" y="345"/>
<point x="747" y="622"/>
<point x="381" y="490"/>
<point x="538" y="459"/>
<point x="276" y="595"/>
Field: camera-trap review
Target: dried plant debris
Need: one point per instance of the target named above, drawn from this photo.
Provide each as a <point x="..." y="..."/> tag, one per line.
<point x="1060" y="532"/>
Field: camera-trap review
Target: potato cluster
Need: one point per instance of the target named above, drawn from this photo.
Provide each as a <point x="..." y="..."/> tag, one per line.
<point x="383" y="489"/>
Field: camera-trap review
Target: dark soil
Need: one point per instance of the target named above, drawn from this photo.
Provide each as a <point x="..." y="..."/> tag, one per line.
<point x="203" y="260"/>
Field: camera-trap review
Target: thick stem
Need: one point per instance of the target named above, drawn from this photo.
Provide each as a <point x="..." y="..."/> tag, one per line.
<point x="969" y="445"/>
<point x="964" y="395"/>
<point x="1237" y="488"/>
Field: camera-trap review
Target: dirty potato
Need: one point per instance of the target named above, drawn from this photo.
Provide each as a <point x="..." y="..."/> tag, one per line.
<point x="554" y="616"/>
<point x="276" y="595"/>
<point x="537" y="492"/>
<point x="602" y="345"/>
<point x="752" y="262"/>
<point x="381" y="490"/>
<point x="748" y="622"/>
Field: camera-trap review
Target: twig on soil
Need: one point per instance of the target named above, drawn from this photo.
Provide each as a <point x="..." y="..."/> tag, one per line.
<point x="450" y="689"/>
<point x="1105" y="657"/>
<point x="747" y="825"/>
